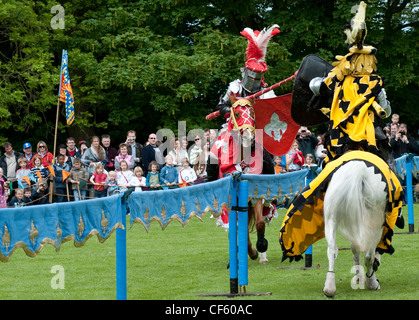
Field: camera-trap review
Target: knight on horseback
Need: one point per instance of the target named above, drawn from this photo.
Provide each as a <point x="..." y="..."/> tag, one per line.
<point x="238" y="148"/>
<point x="350" y="97"/>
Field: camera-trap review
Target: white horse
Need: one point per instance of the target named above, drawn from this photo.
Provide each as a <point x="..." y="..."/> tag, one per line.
<point x="355" y="201"/>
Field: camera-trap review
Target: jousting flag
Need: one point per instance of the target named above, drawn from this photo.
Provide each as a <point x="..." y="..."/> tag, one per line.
<point x="65" y="93"/>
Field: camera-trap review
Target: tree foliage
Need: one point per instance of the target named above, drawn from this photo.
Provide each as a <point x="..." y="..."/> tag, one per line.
<point x="145" y="65"/>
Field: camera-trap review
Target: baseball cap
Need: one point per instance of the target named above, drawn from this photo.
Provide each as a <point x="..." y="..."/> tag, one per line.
<point x="27" y="145"/>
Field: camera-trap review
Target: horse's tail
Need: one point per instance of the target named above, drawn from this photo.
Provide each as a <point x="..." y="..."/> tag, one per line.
<point x="356" y="195"/>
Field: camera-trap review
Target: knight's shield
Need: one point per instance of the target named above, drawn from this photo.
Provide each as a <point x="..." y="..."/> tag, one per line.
<point x="303" y="109"/>
<point x="273" y="117"/>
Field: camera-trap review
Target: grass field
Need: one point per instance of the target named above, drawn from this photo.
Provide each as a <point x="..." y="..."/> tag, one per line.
<point x="181" y="262"/>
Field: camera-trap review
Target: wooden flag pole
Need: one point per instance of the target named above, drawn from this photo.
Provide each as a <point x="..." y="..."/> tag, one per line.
<point x="55" y="147"/>
<point x="56" y="128"/>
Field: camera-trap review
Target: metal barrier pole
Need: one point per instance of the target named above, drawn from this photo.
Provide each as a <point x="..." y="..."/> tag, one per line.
<point x="232" y="242"/>
<point x="243" y="234"/>
<point x="121" y="255"/>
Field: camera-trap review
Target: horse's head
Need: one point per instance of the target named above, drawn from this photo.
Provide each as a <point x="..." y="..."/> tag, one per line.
<point x="242" y="118"/>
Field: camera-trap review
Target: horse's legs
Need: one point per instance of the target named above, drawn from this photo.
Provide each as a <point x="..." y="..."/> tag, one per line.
<point x="332" y="252"/>
<point x="253" y="254"/>
<point x="262" y="243"/>
<point x="371" y="280"/>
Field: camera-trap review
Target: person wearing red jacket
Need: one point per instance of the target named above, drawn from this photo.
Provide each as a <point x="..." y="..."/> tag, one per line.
<point x="42" y="150"/>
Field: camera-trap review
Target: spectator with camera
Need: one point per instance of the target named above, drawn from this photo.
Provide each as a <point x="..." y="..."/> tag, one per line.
<point x="307" y="141"/>
<point x="403" y="143"/>
<point x="394" y="128"/>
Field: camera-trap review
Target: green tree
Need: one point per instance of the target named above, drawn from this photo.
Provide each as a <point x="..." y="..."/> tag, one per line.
<point x="145" y="65"/>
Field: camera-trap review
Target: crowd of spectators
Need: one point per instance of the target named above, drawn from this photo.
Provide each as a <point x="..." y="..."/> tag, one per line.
<point x="95" y="169"/>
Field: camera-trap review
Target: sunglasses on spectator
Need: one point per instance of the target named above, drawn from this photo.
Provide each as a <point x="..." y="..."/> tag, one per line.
<point x="197" y="139"/>
<point x="41" y="146"/>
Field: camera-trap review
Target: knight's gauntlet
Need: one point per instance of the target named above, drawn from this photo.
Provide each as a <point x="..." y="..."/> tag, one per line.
<point x="315" y="85"/>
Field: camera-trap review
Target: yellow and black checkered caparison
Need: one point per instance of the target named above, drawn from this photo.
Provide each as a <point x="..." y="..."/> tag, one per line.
<point x="303" y="224"/>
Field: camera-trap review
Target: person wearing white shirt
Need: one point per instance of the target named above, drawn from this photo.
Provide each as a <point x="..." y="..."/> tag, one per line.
<point x="187" y="174"/>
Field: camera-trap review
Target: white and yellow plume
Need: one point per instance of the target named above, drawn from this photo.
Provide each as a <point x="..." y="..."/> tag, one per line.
<point x="356" y="33"/>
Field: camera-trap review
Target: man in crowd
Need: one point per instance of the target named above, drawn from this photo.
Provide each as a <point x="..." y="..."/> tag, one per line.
<point x="111" y="152"/>
<point x="403" y="143"/>
<point x="149" y="152"/>
<point x="8" y="162"/>
<point x="307" y="141"/>
<point x="72" y="151"/>
<point x="134" y="148"/>
<point x="27" y="152"/>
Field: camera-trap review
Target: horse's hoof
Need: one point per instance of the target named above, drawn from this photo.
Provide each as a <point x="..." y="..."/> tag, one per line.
<point x="330" y="286"/>
<point x="328" y="294"/>
<point x="262" y="243"/>
<point x="263" y="258"/>
<point x="372" y="283"/>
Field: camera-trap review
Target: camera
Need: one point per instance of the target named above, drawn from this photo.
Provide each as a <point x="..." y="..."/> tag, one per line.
<point x="303" y="131"/>
<point x="402" y="133"/>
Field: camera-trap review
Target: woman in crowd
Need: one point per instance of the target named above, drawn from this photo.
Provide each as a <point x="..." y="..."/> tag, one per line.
<point x="42" y="151"/>
<point x="123" y="155"/>
<point x="94" y="155"/>
<point x="178" y="153"/>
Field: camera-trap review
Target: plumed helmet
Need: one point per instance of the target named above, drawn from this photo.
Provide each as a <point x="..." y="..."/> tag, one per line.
<point x="255" y="65"/>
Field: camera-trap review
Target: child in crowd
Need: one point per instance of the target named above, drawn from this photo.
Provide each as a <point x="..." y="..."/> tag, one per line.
<point x="124" y="176"/>
<point x="168" y="174"/>
<point x="153" y="175"/>
<point x="112" y="183"/>
<point x="40" y="193"/>
<point x="27" y="196"/>
<point x="17" y="200"/>
<point x="310" y="161"/>
<point x="39" y="173"/>
<point x="187" y="175"/>
<point x="98" y="178"/>
<point x="280" y="164"/>
<point x="62" y="171"/>
<point x="138" y="180"/>
<point x="23" y="172"/>
<point x="78" y="178"/>
<point x="294" y="157"/>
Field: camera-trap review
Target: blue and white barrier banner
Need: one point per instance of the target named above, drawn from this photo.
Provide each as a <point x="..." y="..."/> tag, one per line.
<point x="32" y="227"/>
<point x="282" y="187"/>
<point x="401" y="166"/>
<point x="180" y="204"/>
